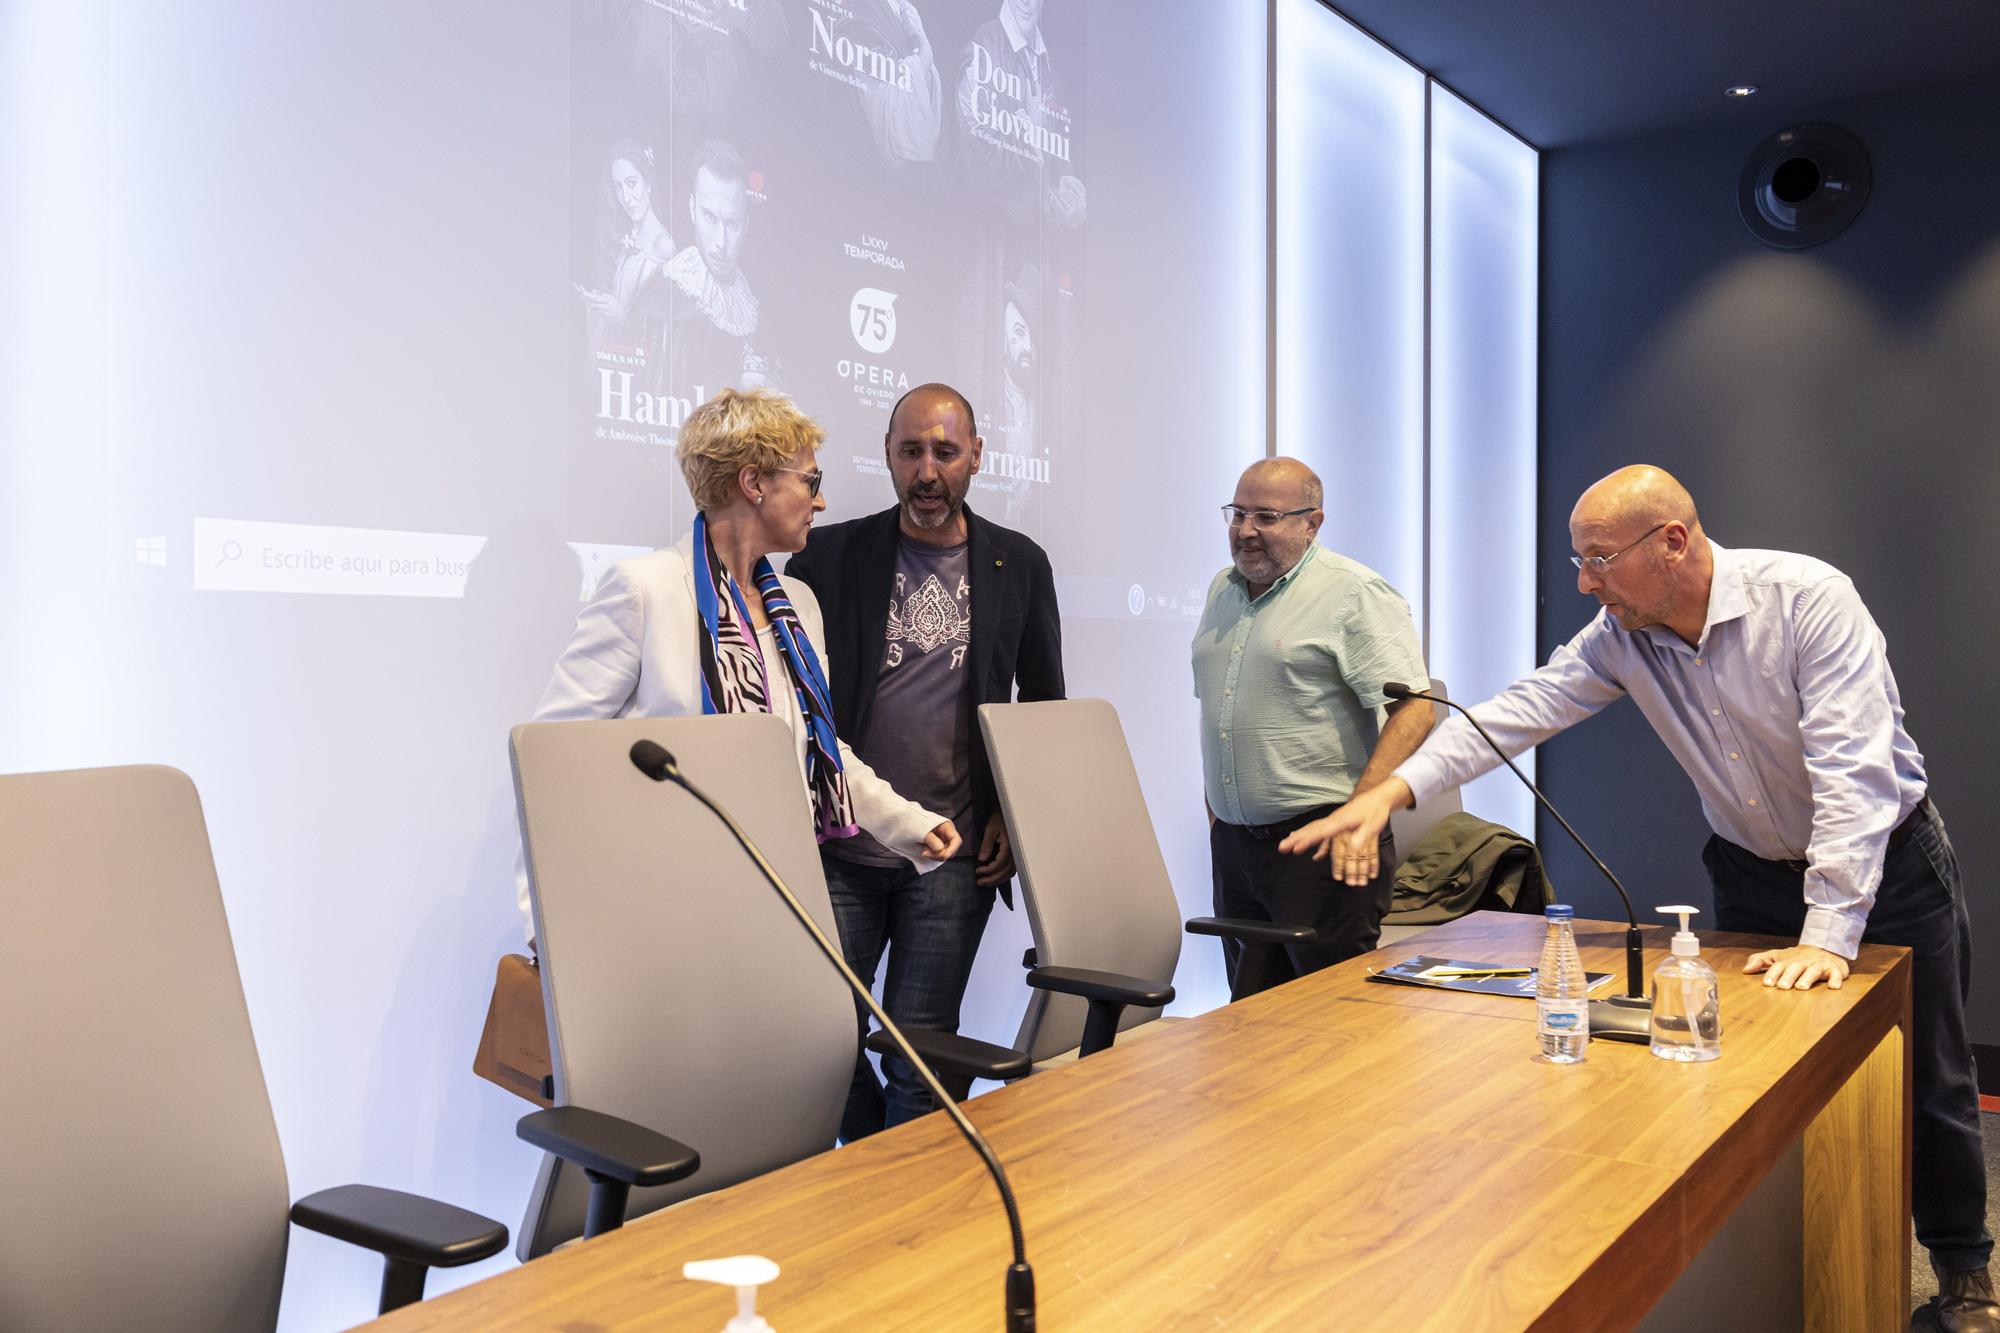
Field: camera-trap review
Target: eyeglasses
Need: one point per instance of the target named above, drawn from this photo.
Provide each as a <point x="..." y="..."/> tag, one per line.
<point x="813" y="479"/>
<point x="1236" y="515"/>
<point x="1597" y="564"/>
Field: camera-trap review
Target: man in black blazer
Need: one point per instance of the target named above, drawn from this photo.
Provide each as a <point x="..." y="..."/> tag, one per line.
<point x="930" y="611"/>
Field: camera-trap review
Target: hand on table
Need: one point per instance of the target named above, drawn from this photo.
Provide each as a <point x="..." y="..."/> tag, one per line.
<point x="1800" y="967"/>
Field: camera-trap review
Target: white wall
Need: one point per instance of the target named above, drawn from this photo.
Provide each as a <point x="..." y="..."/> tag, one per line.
<point x="1350" y="285"/>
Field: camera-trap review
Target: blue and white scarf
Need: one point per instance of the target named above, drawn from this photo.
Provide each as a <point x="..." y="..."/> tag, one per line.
<point x="734" y="678"/>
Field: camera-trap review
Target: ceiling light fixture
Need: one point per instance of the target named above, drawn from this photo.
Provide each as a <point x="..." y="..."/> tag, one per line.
<point x="1741" y="90"/>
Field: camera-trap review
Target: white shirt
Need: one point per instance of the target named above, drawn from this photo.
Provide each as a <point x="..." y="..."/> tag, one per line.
<point x="1784" y="713"/>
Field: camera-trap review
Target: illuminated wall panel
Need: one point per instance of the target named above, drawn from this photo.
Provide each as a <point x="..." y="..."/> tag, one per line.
<point x="1484" y="255"/>
<point x="1349" y="292"/>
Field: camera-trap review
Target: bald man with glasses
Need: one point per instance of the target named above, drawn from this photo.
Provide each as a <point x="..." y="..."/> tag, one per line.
<point x="1768" y="680"/>
<point x="1294" y="647"/>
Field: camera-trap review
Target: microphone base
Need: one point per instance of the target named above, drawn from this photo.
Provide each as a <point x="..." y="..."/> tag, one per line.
<point x="1622" y="1018"/>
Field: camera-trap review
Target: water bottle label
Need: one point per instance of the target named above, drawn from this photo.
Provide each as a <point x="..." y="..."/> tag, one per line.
<point x="1564" y="1018"/>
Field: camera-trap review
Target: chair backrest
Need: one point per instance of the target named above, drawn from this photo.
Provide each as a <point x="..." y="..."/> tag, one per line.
<point x="681" y="993"/>
<point x="143" y="1184"/>
<point x="1095" y="886"/>
<point x="1410" y="826"/>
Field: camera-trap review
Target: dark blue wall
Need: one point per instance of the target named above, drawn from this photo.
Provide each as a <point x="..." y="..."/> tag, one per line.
<point x="1840" y="401"/>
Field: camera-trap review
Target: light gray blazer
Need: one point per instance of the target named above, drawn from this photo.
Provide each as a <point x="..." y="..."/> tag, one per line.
<point x="636" y="653"/>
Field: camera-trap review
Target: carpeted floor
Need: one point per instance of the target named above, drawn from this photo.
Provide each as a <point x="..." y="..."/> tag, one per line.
<point x="1923" y="1283"/>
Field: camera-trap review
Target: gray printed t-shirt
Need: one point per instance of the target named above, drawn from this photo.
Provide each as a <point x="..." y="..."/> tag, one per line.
<point x="919" y="734"/>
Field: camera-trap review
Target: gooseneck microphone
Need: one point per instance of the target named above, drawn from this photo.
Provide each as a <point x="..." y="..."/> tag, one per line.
<point x="657" y="763"/>
<point x="1635" y="952"/>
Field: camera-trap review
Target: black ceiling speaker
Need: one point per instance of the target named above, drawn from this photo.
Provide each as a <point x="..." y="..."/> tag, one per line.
<point x="1803" y="185"/>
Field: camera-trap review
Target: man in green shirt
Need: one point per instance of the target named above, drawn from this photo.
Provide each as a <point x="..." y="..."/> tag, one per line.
<point x="1294" y="647"/>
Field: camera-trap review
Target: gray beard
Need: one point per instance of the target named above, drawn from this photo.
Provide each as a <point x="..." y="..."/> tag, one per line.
<point x="945" y="516"/>
<point x="1267" y="570"/>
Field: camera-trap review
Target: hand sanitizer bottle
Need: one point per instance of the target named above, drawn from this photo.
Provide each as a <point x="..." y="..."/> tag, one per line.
<point x="746" y="1273"/>
<point x="1687" y="1013"/>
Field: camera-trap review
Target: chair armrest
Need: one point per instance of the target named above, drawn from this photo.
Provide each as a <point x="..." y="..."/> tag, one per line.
<point x="950" y="1054"/>
<point x="399" y="1226"/>
<point x="614" y="1148"/>
<point x="1113" y="987"/>
<point x="1246" y="931"/>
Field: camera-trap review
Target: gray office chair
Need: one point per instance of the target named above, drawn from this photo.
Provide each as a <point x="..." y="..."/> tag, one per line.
<point x="1101" y="908"/>
<point x="682" y="996"/>
<point x="144" y="1184"/>
<point x="1102" y="911"/>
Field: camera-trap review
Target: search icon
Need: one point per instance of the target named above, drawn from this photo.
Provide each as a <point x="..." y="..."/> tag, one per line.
<point x="231" y="550"/>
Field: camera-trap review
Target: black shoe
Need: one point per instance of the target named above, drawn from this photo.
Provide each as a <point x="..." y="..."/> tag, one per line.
<point x="1964" y="1303"/>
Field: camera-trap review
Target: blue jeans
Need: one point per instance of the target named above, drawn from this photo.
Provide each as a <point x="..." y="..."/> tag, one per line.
<point x="1920" y="906"/>
<point x="930" y="925"/>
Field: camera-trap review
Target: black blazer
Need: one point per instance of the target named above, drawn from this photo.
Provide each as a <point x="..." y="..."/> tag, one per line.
<point x="1016" y="632"/>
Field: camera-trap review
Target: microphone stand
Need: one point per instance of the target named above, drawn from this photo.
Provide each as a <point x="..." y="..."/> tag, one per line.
<point x="653" y="759"/>
<point x="1615" y="1024"/>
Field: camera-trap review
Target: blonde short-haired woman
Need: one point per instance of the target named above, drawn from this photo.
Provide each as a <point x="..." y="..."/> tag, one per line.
<point x="707" y="626"/>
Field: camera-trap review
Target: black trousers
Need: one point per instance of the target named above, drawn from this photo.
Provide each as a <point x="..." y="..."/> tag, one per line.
<point x="1254" y="879"/>
<point x="1920" y="906"/>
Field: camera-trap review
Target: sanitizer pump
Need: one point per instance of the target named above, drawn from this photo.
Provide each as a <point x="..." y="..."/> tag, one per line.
<point x="1687" y="1010"/>
<point x="746" y="1273"/>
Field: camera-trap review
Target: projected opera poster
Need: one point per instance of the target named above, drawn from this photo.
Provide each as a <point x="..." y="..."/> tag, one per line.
<point x="873" y="287"/>
<point x="952" y="188"/>
<point x="1018" y="147"/>
<point x="672" y="237"/>
<point x="835" y="198"/>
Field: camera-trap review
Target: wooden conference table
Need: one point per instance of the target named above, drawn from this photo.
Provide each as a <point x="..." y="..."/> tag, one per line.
<point x="1329" y="1154"/>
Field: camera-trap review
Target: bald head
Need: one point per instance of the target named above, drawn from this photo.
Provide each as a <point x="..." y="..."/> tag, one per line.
<point x="1641" y="551"/>
<point x="1633" y="498"/>
<point x="1287" y="475"/>
<point x="934" y="396"/>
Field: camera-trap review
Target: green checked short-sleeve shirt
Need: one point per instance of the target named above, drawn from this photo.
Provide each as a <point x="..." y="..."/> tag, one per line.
<point x="1290" y="684"/>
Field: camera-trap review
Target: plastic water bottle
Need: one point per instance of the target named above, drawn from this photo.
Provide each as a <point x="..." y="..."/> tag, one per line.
<point x="1562" y="1004"/>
